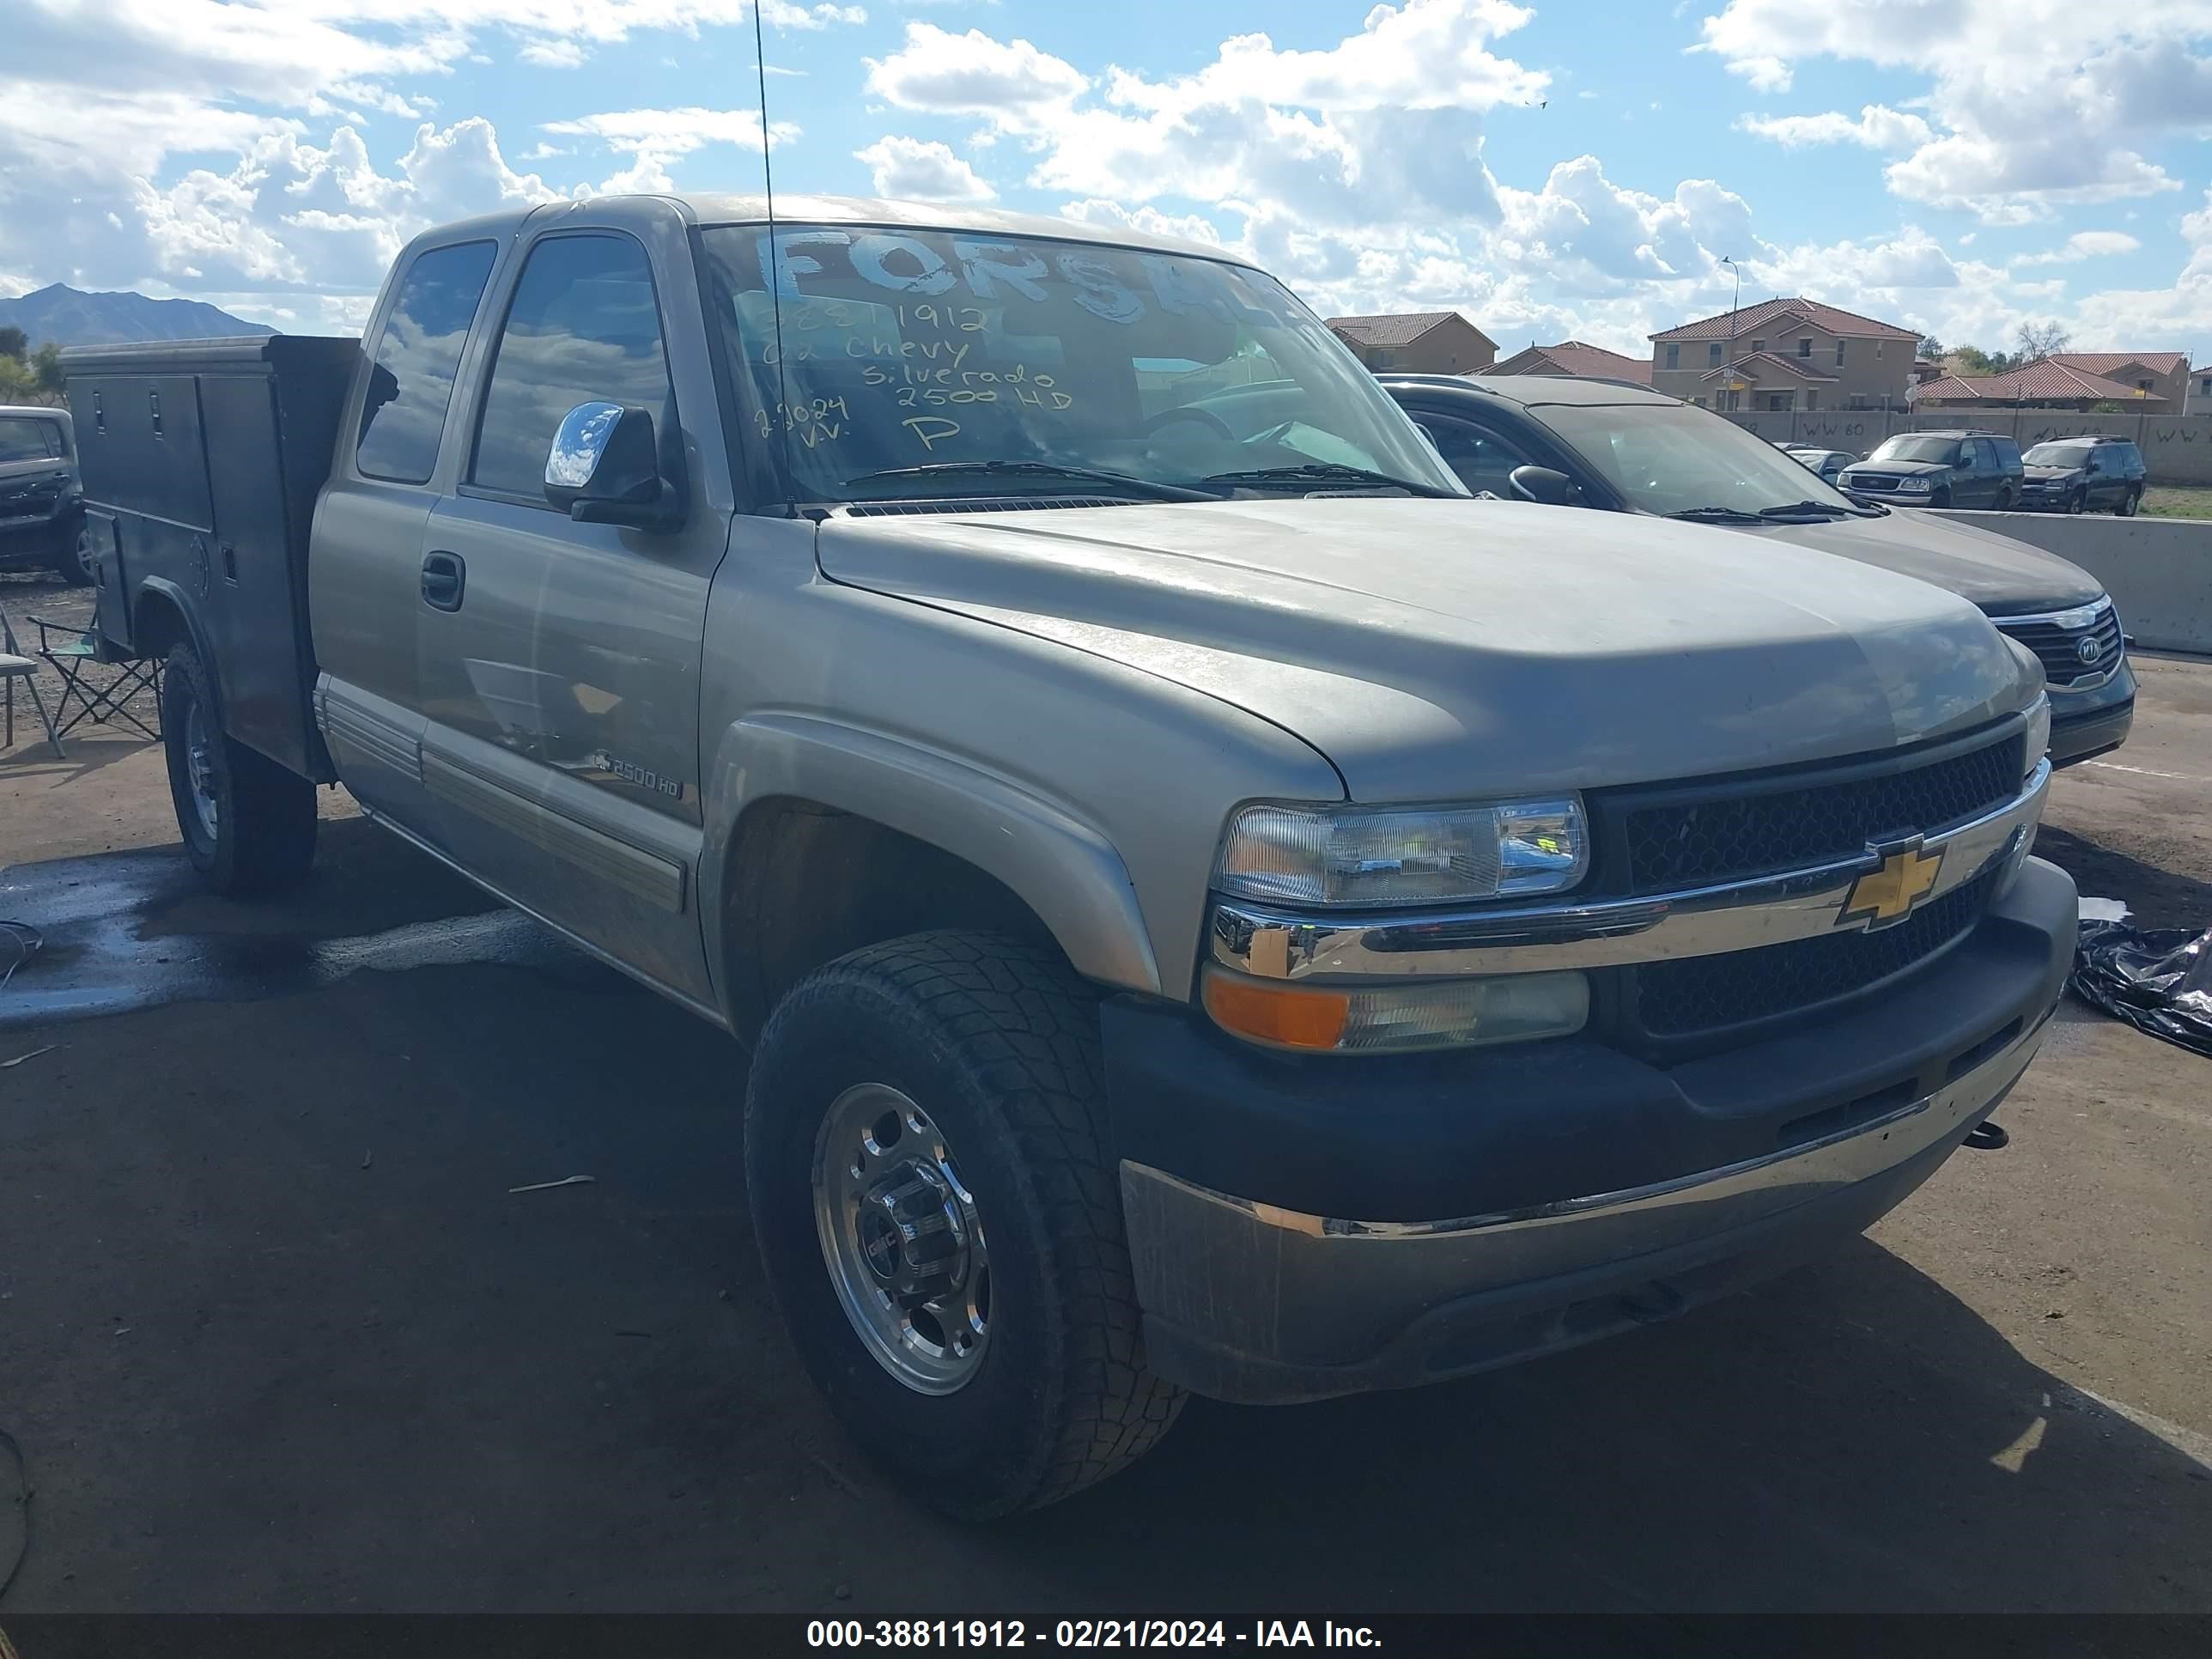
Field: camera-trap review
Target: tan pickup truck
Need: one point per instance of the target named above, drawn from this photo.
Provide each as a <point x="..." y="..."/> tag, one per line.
<point x="1212" y="908"/>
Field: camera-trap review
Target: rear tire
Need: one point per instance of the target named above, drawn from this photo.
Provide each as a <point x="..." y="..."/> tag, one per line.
<point x="2004" y="502"/>
<point x="995" y="1044"/>
<point x="74" y="565"/>
<point x="2131" y="504"/>
<point x="248" y="824"/>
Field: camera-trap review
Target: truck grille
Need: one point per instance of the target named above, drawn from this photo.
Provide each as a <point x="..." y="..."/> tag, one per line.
<point x="2059" y="649"/>
<point x="1701" y="994"/>
<point x="1872" y="481"/>
<point x="1737" y="830"/>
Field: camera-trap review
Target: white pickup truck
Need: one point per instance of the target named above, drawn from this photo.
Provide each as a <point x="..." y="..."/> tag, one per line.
<point x="1211" y="907"/>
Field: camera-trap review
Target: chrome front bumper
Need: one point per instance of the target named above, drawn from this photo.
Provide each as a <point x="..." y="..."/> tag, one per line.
<point x="1247" y="1301"/>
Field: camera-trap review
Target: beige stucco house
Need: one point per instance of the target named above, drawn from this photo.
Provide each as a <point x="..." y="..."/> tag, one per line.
<point x="1786" y="355"/>
<point x="2156" y="381"/>
<point x="1417" y="343"/>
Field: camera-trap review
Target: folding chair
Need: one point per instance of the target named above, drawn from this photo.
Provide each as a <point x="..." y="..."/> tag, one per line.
<point x="14" y="665"/>
<point x="74" y="658"/>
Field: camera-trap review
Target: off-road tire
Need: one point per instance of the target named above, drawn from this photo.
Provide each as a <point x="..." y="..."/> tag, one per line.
<point x="264" y="836"/>
<point x="998" y="1042"/>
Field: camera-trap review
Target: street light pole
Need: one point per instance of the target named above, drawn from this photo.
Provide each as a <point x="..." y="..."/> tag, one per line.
<point x="1728" y="378"/>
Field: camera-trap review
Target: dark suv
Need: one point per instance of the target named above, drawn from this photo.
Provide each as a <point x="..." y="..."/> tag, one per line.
<point x="41" y="502"/>
<point x="1941" y="468"/>
<point x="2075" y="475"/>
<point x="1624" y="448"/>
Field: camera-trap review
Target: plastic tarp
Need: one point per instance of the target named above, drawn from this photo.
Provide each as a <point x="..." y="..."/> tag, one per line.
<point x="2158" y="980"/>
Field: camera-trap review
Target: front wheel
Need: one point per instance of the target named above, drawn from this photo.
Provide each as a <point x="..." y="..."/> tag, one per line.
<point x="1940" y="498"/>
<point x="938" y="1208"/>
<point x="249" y="825"/>
<point x="2078" y="503"/>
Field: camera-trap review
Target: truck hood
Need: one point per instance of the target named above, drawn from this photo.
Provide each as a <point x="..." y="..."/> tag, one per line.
<point x="2004" y="577"/>
<point x="1451" y="649"/>
<point x="1902" y="469"/>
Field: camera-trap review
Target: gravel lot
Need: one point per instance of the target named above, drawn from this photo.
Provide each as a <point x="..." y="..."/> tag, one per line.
<point x="274" y="1335"/>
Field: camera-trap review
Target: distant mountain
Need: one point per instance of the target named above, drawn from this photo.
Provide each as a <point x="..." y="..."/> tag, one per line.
<point x="71" y="317"/>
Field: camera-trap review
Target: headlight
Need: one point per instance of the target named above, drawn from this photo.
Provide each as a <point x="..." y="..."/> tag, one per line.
<point x="2038" y="735"/>
<point x="1381" y="855"/>
<point x="1913" y="486"/>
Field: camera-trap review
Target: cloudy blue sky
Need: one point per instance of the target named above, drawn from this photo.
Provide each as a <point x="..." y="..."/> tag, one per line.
<point x="1561" y="168"/>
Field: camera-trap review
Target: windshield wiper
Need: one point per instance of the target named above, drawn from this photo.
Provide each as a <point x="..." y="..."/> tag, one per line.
<point x="1326" y="472"/>
<point x="1147" y="487"/>
<point x="1803" y="509"/>
<point x="1716" y="515"/>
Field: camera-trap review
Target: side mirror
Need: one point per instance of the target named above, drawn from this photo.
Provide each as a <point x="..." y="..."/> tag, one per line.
<point x="606" y="467"/>
<point x="1546" y="486"/>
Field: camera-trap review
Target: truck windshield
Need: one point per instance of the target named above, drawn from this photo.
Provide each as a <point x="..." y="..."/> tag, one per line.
<point x="2075" y="455"/>
<point x="905" y="348"/>
<point x="1669" y="459"/>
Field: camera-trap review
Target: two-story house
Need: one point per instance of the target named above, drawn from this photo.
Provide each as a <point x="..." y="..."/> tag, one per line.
<point x="1786" y="355"/>
<point x="2200" y="391"/>
<point x="1417" y="343"/>
<point x="1575" y="360"/>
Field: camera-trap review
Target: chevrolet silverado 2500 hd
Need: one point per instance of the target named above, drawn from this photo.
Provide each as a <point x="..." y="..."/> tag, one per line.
<point x="1213" y="908"/>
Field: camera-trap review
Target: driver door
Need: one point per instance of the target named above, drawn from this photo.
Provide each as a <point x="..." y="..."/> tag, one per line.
<point x="560" y="660"/>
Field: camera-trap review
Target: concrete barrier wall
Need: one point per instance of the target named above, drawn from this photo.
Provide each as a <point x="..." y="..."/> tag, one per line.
<point x="2159" y="571"/>
<point x="2177" y="448"/>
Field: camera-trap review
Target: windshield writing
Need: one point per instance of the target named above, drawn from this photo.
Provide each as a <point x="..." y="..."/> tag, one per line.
<point x="903" y="349"/>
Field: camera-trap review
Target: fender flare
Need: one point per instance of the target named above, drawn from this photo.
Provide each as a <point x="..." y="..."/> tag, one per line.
<point x="195" y="631"/>
<point x="1062" y="867"/>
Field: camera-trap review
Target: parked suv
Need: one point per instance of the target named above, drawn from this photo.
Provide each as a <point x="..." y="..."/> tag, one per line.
<point x="1941" y="468"/>
<point x="1629" y="449"/>
<point x="41" y="505"/>
<point x="2074" y="475"/>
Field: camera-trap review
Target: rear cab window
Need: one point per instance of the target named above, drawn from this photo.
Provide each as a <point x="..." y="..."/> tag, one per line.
<point x="418" y="356"/>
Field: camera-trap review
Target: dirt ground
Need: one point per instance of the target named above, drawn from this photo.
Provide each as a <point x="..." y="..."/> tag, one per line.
<point x="276" y="1335"/>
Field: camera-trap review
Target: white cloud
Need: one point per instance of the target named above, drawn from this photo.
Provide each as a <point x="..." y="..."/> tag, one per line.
<point x="1190" y="227"/>
<point x="656" y="138"/>
<point x="2083" y="244"/>
<point x="1878" y="127"/>
<point x="1009" y="85"/>
<point x="922" y="171"/>
<point x="2018" y="124"/>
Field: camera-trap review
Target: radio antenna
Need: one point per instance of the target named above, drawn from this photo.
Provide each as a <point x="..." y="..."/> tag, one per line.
<point x="770" y="265"/>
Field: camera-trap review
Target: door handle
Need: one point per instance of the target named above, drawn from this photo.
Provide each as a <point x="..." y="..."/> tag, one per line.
<point x="445" y="579"/>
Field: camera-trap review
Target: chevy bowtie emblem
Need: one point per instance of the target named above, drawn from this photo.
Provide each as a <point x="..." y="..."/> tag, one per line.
<point x="1882" y="896"/>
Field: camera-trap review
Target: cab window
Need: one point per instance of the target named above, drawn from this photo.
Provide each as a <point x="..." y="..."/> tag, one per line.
<point x="1483" y="460"/>
<point x="417" y="356"/>
<point x="584" y="326"/>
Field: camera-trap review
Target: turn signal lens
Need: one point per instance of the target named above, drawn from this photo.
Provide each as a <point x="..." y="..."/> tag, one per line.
<point x="1398" y="1019"/>
<point x="1279" y="1014"/>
